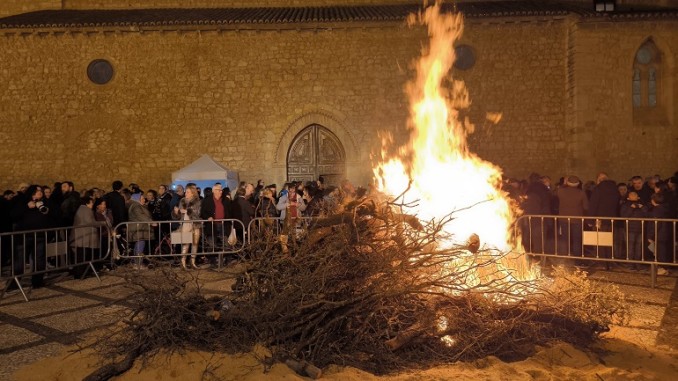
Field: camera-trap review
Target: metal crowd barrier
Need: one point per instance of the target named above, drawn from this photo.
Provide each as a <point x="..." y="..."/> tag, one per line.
<point x="274" y="227"/>
<point x="175" y="239"/>
<point x="37" y="252"/>
<point x="602" y="239"/>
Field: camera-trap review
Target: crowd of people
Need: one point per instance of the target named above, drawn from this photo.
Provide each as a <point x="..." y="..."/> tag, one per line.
<point x="650" y="198"/>
<point x="34" y="207"/>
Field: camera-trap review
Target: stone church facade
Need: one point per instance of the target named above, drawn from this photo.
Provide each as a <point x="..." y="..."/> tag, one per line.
<point x="98" y="90"/>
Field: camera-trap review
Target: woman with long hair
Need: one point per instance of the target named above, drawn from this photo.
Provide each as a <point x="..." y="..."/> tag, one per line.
<point x="189" y="209"/>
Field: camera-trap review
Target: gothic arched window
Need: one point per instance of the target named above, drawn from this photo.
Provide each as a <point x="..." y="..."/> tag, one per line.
<point x="646" y="74"/>
<point x="648" y="96"/>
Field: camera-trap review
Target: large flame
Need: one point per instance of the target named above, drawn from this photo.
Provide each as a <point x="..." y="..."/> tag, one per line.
<point x="443" y="176"/>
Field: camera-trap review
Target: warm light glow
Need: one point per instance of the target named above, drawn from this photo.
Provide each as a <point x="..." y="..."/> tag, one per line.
<point x="445" y="176"/>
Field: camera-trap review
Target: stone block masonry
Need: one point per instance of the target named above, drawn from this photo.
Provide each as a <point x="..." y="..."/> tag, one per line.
<point x="238" y="95"/>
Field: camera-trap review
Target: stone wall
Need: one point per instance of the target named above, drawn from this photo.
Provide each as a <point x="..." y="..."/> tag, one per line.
<point x="178" y="95"/>
<point x="561" y="86"/>
<point x="520" y="72"/>
<point x="605" y="137"/>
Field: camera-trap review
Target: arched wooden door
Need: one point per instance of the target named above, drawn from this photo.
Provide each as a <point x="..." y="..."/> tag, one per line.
<point x="316" y="152"/>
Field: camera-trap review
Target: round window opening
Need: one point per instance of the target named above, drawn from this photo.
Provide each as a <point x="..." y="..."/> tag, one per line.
<point x="100" y="72"/>
<point x="464" y="57"/>
<point x="644" y="56"/>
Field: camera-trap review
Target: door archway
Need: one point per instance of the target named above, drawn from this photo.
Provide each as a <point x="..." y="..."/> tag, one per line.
<point x="315" y="152"/>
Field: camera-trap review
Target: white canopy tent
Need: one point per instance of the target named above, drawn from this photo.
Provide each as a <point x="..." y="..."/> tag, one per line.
<point x="204" y="172"/>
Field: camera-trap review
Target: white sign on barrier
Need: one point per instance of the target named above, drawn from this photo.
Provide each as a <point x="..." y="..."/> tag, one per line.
<point x="179" y="237"/>
<point x="597" y="238"/>
<point x="55" y="249"/>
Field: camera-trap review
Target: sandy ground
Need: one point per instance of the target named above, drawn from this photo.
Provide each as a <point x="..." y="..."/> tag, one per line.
<point x="646" y="349"/>
<point x="616" y="359"/>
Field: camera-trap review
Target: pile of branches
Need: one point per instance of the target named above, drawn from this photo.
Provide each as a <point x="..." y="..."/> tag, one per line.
<point x="378" y="289"/>
<point x="168" y="312"/>
<point x="374" y="288"/>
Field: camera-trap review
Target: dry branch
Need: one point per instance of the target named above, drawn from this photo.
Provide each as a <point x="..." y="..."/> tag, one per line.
<point x="373" y="289"/>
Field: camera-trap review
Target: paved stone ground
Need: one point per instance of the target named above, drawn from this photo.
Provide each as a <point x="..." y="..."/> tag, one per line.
<point x="64" y="312"/>
<point x="59" y="315"/>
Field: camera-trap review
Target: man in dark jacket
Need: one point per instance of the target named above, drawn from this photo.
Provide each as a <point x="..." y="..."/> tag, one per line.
<point x="116" y="203"/>
<point x="70" y="204"/>
<point x="604" y="202"/>
<point x="242" y="208"/>
<point x="163" y="203"/>
<point x="215" y="207"/>
<point x="659" y="234"/>
<point x="633" y="208"/>
<point x="31" y="214"/>
<point x="644" y="192"/>
<point x="537" y="202"/>
<point x="572" y="202"/>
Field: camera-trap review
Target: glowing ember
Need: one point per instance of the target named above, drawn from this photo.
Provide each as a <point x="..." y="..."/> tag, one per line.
<point x="445" y="177"/>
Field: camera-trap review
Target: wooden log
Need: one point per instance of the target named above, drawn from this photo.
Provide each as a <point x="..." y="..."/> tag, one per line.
<point x="109" y="371"/>
<point x="405" y="337"/>
<point x="316" y="235"/>
<point x="304" y="368"/>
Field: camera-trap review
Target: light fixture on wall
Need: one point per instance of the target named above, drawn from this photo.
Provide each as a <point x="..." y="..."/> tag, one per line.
<point x="604" y="5"/>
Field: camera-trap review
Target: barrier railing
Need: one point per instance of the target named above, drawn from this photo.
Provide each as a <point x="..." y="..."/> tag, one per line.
<point x="275" y="226"/>
<point x="635" y="241"/>
<point x="639" y="241"/>
<point x="74" y="248"/>
<point x="141" y="241"/>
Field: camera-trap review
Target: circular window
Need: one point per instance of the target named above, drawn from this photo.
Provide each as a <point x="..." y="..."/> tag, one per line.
<point x="464" y="57"/>
<point x="644" y="56"/>
<point x="100" y="72"/>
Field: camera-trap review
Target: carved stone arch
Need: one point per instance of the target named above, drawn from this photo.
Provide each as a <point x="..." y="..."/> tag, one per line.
<point x="316" y="152"/>
<point x="325" y="119"/>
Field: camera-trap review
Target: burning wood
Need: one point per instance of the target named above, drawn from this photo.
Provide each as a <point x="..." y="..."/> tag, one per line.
<point x="379" y="296"/>
<point x="388" y="284"/>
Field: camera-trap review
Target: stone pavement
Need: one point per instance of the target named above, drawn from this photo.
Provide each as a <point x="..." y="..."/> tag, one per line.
<point x="61" y="314"/>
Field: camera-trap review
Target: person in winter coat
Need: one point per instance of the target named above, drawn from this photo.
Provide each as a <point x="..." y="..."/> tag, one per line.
<point x="116" y="203"/>
<point x="267" y="205"/>
<point x="572" y="202"/>
<point x="215" y="207"/>
<point x="536" y="230"/>
<point x="634" y="208"/>
<point x="242" y="209"/>
<point x="104" y="215"/>
<point x="86" y="237"/>
<point x="31" y="213"/>
<point x="659" y="234"/>
<point x="188" y="209"/>
<point x="285" y="201"/>
<point x="604" y="202"/>
<point x="140" y="221"/>
<point x="70" y="204"/>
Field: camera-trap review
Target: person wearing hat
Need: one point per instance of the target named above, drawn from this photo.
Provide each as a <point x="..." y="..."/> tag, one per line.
<point x="572" y="202"/>
<point x="631" y="208"/>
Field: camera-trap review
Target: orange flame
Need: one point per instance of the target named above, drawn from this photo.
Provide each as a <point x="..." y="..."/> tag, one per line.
<point x="443" y="175"/>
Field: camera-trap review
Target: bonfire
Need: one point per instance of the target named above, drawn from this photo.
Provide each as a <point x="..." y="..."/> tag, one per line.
<point x="411" y="275"/>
